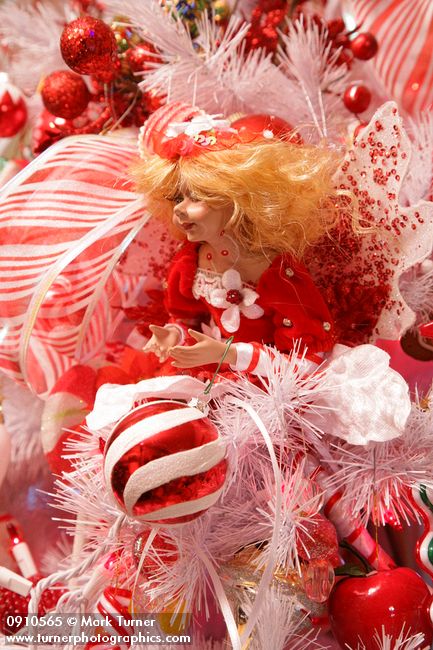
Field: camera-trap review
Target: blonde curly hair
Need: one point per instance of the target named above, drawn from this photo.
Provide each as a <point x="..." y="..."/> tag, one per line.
<point x="282" y="194"/>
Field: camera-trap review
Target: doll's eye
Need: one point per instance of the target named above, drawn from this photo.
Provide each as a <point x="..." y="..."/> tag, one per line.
<point x="178" y="198"/>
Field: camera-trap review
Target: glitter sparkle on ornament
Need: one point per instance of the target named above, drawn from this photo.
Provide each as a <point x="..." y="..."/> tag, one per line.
<point x="88" y="46"/>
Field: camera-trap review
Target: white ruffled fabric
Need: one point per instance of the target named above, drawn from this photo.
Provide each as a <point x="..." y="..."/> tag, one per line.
<point x="113" y="401"/>
<point x="365" y="400"/>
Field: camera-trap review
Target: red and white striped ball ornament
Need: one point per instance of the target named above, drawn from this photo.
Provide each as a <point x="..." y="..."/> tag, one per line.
<point x="164" y="463"/>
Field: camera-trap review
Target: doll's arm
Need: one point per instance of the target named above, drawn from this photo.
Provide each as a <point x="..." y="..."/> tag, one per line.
<point x="254" y="358"/>
<point x="204" y="351"/>
<point x="184" y="309"/>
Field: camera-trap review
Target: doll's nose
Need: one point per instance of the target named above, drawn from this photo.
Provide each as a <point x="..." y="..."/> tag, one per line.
<point x="181" y="209"/>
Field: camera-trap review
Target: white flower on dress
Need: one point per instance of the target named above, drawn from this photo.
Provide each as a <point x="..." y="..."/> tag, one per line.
<point x="235" y="299"/>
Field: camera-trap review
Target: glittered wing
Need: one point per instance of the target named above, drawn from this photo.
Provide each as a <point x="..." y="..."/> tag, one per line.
<point x="359" y="274"/>
<point x="65" y="223"/>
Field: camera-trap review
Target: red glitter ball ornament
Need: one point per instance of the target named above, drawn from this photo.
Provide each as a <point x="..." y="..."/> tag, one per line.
<point x="139" y="56"/>
<point x="357" y="98"/>
<point x="13" y="110"/>
<point x="88" y="46"/>
<point x="364" y="46"/>
<point x="65" y="94"/>
<point x="164" y="462"/>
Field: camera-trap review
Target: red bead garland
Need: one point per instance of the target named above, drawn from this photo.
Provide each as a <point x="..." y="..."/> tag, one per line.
<point x="357" y="98"/>
<point x="364" y="46"/>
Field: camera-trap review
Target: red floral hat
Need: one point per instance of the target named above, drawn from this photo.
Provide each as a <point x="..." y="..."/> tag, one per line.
<point x="177" y="130"/>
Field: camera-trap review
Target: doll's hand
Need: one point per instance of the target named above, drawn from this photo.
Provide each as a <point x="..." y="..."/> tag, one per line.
<point x="206" y="350"/>
<point x="162" y="339"/>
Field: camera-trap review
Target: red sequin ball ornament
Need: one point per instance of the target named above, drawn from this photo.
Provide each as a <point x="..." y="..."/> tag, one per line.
<point x="65" y="94"/>
<point x="357" y="98"/>
<point x="88" y="46"/>
<point x="139" y="56"/>
<point x="364" y="46"/>
<point x="13" y="110"/>
<point x="164" y="462"/>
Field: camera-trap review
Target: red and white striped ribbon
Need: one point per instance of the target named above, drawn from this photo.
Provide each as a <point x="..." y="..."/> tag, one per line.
<point x="404" y="62"/>
<point x="64" y="221"/>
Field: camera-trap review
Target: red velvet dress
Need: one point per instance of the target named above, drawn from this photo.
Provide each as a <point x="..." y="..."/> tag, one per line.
<point x="293" y="309"/>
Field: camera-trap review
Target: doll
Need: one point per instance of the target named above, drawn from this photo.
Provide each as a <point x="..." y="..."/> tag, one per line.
<point x="247" y="210"/>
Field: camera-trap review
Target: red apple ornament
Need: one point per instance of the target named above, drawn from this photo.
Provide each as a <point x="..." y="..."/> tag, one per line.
<point x="385" y="599"/>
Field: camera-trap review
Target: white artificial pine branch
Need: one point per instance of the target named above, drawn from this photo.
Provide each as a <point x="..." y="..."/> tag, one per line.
<point x="416" y="286"/>
<point x="31" y="36"/>
<point x="375" y="477"/>
<point x="300" y="505"/>
<point x="280" y="624"/>
<point x="404" y="641"/>
<point x="306" y="57"/>
<point x="418" y="183"/>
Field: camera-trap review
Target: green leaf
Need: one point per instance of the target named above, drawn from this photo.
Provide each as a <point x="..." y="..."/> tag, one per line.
<point x="350" y="570"/>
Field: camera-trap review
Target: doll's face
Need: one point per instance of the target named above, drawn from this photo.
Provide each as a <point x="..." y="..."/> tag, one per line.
<point x="198" y="220"/>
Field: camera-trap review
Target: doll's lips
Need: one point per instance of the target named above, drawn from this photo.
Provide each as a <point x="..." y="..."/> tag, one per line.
<point x="188" y="226"/>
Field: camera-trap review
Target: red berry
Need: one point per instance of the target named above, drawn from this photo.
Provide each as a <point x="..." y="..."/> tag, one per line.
<point x="357" y="98"/>
<point x="234" y="297"/>
<point x="335" y="27"/>
<point x="12" y="604"/>
<point x="364" y="46"/>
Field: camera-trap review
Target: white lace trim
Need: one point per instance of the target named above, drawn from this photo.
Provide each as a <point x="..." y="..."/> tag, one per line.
<point x="206" y="281"/>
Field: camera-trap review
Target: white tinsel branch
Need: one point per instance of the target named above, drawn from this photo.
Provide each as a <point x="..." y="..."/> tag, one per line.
<point x="300" y="505"/>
